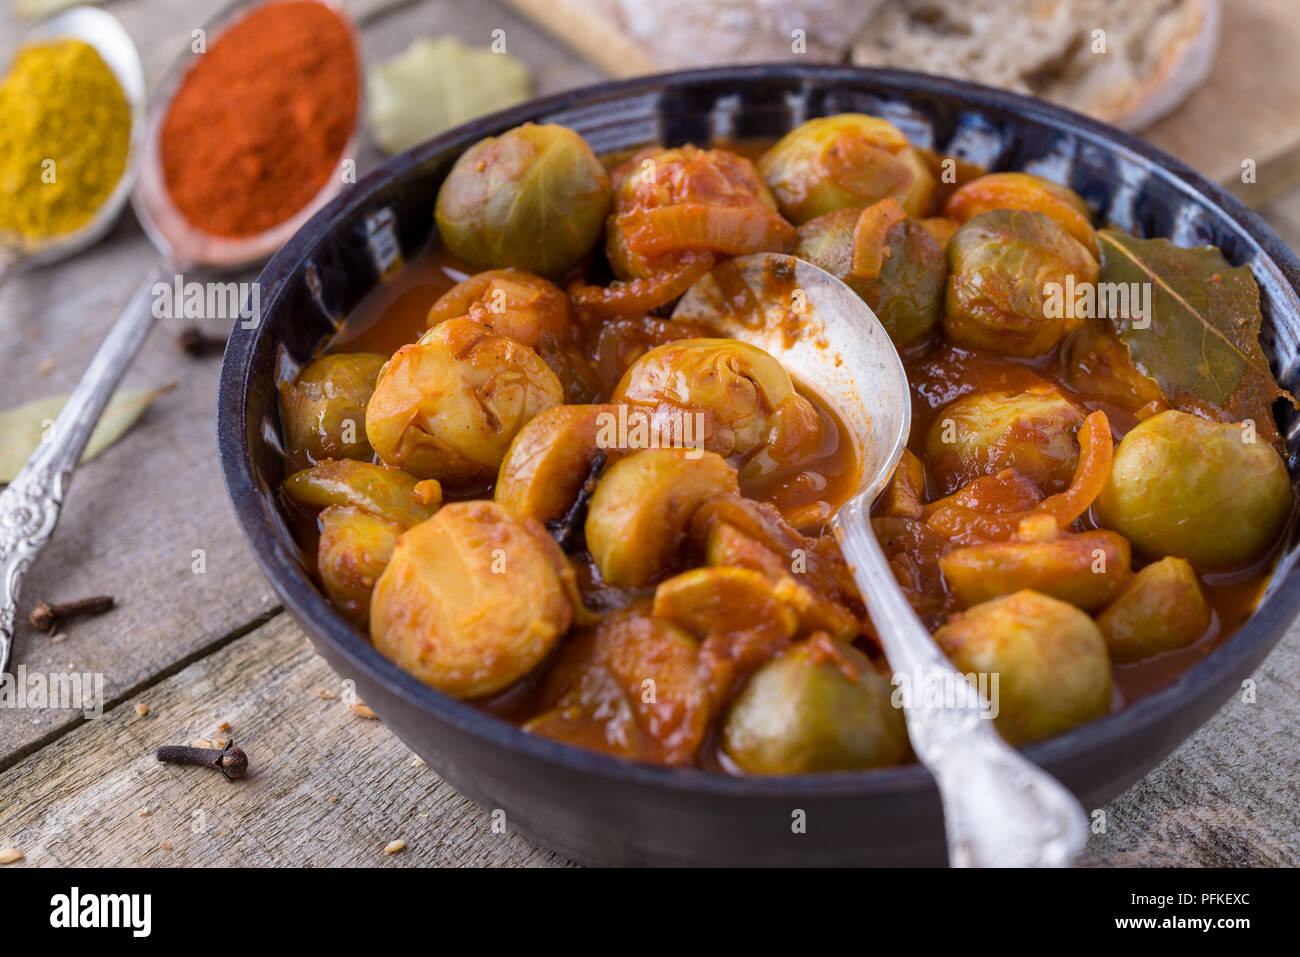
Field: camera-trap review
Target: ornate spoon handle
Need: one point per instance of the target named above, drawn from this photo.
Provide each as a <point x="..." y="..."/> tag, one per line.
<point x="999" y="809"/>
<point x="29" y="506"/>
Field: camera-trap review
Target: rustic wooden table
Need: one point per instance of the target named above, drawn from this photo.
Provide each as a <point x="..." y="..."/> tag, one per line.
<point x="189" y="655"/>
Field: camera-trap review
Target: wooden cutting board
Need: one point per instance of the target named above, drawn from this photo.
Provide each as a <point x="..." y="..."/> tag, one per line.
<point x="1249" y="106"/>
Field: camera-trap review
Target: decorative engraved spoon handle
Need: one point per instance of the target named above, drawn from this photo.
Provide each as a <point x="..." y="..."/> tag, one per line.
<point x="999" y="809"/>
<point x="29" y="506"/>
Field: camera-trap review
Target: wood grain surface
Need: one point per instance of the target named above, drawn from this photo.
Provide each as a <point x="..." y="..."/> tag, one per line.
<point x="200" y="649"/>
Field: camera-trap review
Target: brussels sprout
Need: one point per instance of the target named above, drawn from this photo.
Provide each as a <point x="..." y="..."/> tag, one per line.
<point x="1163" y="609"/>
<point x="390" y="494"/>
<point x="982" y="433"/>
<point x="548" y="462"/>
<point x="745" y="396"/>
<point x="472" y="600"/>
<point x="324" y="408"/>
<point x="907" y="294"/>
<point x="999" y="266"/>
<point x="1028" y="192"/>
<point x="810" y="710"/>
<point x="636" y="521"/>
<point x="1087" y="570"/>
<point x="1050" y="660"/>
<point x="848" y="160"/>
<point x="1209" y="492"/>
<point x="528" y="310"/>
<point x="510" y="302"/>
<point x="534" y="197"/>
<point x="355" y="548"/>
<point x="668" y="202"/>
<point x="448" y="405"/>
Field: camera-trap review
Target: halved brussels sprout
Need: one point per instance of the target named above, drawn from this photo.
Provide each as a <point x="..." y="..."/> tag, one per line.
<point x="534" y="197"/>
<point x="448" y="405"/>
<point x="744" y="396"/>
<point x="1087" y="570"/>
<point x="1027" y="192"/>
<point x="1049" y="659"/>
<point x="387" y="493"/>
<point x="999" y="267"/>
<point x="355" y="548"/>
<point x="472" y="600"/>
<point x="906" y="288"/>
<point x="636" y="521"/>
<point x="549" y="459"/>
<point x="708" y="601"/>
<point x="1210" y="492"/>
<point x="815" y="709"/>
<point x="324" y="408"/>
<point x="834" y="162"/>
<point x="1163" y="609"/>
<point x="1032" y="431"/>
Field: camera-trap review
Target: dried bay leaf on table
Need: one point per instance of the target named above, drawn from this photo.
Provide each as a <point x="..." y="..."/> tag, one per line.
<point x="438" y="83"/>
<point x="1202" y="343"/>
<point x="23" y="427"/>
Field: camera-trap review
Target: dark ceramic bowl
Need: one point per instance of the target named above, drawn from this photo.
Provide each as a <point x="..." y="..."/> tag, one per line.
<point x="599" y="809"/>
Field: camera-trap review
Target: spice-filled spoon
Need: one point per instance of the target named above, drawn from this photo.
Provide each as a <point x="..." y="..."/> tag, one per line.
<point x="102" y="31"/>
<point x="999" y="809"/>
<point x="29" y="506"/>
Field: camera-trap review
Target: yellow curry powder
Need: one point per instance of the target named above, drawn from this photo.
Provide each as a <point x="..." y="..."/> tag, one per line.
<point x="65" y="130"/>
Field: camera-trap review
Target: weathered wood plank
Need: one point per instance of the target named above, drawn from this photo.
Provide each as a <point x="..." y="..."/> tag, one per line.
<point x="325" y="786"/>
<point x="1224" y="798"/>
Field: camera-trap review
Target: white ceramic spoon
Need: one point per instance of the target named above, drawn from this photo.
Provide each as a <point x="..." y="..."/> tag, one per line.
<point x="999" y="809"/>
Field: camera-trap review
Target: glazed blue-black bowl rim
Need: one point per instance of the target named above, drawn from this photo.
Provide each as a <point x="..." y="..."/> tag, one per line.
<point x="281" y="563"/>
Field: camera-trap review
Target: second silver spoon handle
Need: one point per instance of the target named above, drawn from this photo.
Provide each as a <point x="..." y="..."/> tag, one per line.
<point x="999" y="808"/>
<point x="30" y="504"/>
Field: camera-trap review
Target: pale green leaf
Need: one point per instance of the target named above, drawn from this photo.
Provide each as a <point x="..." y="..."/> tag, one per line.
<point x="23" y="427"/>
<point x="438" y="83"/>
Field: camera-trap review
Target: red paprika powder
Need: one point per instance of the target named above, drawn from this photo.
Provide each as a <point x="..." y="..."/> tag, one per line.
<point x="260" y="122"/>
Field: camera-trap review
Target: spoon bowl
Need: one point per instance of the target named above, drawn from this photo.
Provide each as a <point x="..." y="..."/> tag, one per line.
<point x="826" y="337"/>
<point x="101" y="30"/>
<point x="999" y="809"/>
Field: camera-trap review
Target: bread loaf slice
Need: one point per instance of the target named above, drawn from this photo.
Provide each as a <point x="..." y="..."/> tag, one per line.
<point x="1149" y="55"/>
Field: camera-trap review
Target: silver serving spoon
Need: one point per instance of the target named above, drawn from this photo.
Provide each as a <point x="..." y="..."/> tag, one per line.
<point x="29" y="506"/>
<point x="999" y="809"/>
<point x="102" y="31"/>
